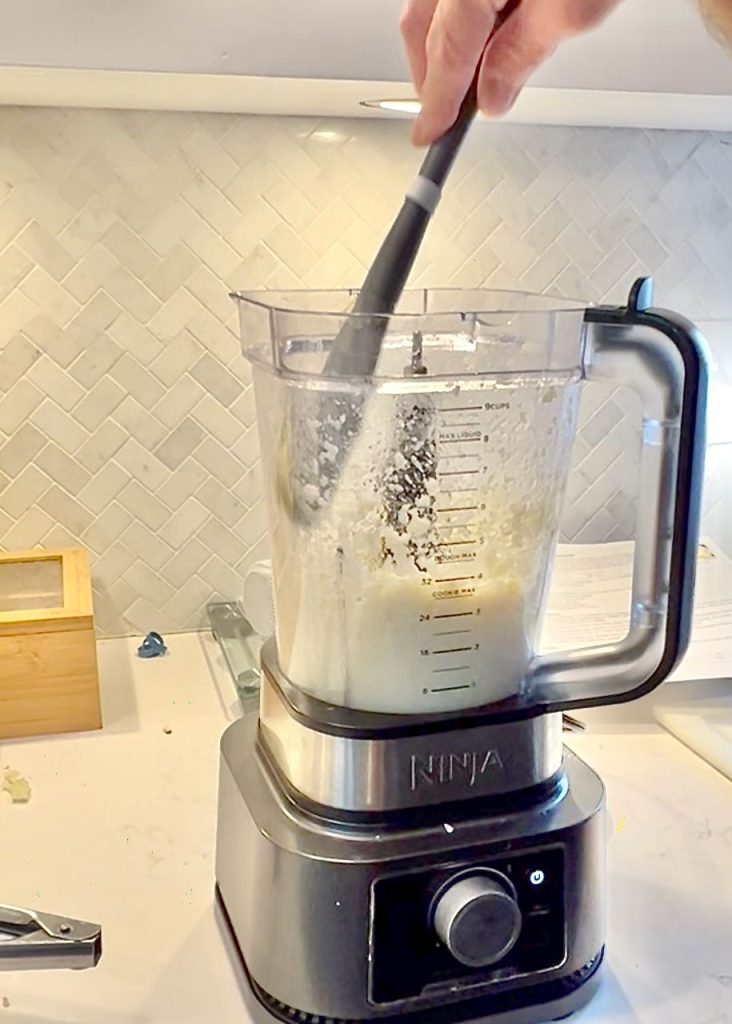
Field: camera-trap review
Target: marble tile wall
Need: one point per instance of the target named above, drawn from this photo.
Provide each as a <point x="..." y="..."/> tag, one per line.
<point x="126" y="411"/>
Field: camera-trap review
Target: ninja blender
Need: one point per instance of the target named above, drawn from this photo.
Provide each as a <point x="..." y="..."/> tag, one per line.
<point x="402" y="835"/>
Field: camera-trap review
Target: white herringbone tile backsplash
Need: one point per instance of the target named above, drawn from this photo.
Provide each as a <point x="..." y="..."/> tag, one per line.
<point x="126" y="415"/>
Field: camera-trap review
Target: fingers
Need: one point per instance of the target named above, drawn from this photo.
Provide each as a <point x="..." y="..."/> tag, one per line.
<point x="453" y="48"/>
<point x="519" y="46"/>
<point x="718" y="15"/>
<point x="525" y="40"/>
<point x="415" y="23"/>
<point x="446" y="41"/>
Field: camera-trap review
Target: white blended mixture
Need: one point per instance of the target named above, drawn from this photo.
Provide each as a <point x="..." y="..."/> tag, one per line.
<point x="404" y="645"/>
<point x="411" y="651"/>
<point x="431" y="605"/>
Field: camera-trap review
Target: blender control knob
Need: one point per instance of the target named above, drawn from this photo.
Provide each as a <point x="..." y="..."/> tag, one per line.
<point x="478" y="918"/>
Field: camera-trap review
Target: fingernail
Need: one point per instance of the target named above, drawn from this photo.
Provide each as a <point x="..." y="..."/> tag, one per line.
<point x="497" y="96"/>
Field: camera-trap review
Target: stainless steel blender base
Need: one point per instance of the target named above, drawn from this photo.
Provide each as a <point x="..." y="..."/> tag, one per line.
<point x="570" y="996"/>
<point x="332" y="919"/>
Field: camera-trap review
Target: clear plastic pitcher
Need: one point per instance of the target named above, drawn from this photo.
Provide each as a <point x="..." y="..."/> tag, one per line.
<point x="413" y="514"/>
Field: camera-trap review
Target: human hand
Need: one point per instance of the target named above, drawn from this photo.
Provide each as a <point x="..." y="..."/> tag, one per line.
<point x="447" y="41"/>
<point x="718" y="15"/>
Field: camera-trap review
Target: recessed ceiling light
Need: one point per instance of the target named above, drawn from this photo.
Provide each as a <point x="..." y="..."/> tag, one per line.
<point x="394" y="106"/>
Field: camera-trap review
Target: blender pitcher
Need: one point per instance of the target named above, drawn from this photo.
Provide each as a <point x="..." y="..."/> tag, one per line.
<point x="414" y="514"/>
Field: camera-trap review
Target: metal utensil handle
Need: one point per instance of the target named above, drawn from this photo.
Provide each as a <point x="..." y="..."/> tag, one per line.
<point x="31" y="940"/>
<point x="662" y="357"/>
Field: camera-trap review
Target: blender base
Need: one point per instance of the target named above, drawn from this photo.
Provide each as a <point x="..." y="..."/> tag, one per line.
<point x="332" y="921"/>
<point x="553" y="1002"/>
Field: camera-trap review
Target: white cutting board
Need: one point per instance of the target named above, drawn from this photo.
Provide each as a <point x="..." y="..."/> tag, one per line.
<point x="706" y="731"/>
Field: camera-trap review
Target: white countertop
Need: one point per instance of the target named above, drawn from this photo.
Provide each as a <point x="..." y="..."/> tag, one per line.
<point x="121" y="827"/>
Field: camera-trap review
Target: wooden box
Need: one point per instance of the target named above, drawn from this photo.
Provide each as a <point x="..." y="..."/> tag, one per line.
<point x="48" y="661"/>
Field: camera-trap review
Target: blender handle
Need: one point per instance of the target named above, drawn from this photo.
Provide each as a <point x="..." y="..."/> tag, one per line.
<point x="662" y="357"/>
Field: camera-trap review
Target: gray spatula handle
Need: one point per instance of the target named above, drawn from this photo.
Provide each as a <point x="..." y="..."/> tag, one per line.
<point x="356" y="348"/>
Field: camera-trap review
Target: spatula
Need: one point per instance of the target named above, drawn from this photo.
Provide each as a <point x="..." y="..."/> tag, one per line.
<point x="356" y="348"/>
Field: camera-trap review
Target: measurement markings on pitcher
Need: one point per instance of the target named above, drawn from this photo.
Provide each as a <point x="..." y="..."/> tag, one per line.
<point x="463" y="541"/>
<point x="453" y="631"/>
<point x="452" y="636"/>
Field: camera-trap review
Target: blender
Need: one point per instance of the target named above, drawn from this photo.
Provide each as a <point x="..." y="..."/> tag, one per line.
<point x="401" y="834"/>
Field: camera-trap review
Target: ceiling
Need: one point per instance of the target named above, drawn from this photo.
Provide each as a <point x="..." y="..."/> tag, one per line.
<point x="655" y="46"/>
